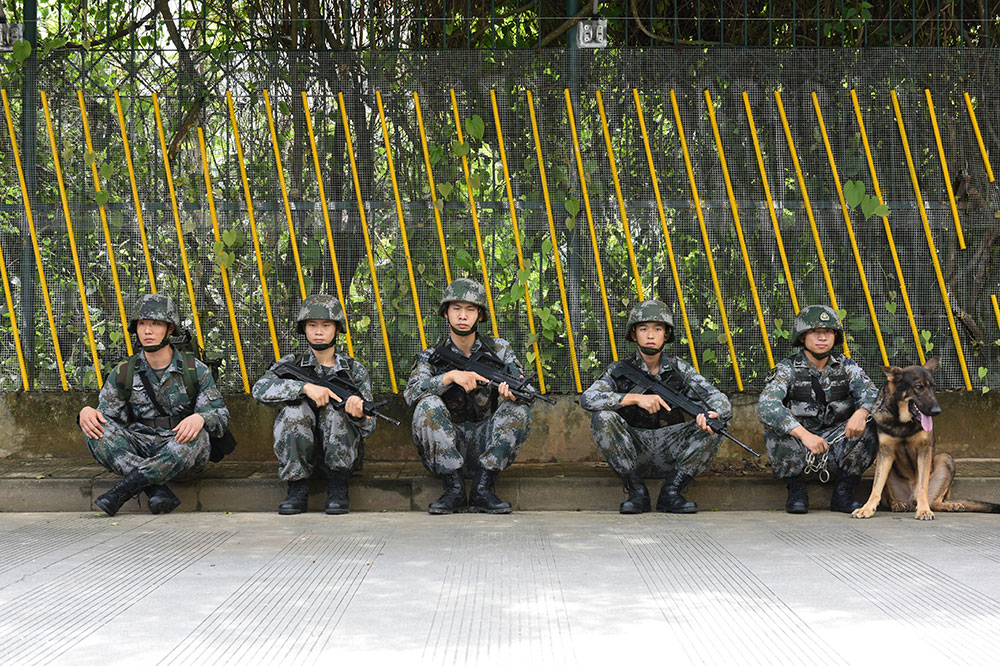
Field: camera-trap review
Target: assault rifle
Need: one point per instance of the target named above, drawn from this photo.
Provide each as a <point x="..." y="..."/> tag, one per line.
<point x="343" y="388"/>
<point x="489" y="366"/>
<point x="675" y="399"/>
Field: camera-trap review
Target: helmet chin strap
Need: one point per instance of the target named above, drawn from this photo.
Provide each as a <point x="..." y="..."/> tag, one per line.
<point x="322" y="347"/>
<point x="820" y="355"/>
<point x="463" y="334"/>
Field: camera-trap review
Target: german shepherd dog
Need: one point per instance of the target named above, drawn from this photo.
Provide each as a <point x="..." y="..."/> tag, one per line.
<point x="908" y="474"/>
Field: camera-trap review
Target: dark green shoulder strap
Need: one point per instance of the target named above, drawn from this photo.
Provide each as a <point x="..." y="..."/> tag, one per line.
<point x="126" y="370"/>
<point x="190" y="378"/>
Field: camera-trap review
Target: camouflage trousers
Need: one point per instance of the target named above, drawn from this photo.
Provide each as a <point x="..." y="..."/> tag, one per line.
<point x="296" y="431"/>
<point x="847" y="456"/>
<point x="653" y="453"/>
<point x="157" y="455"/>
<point x="490" y="444"/>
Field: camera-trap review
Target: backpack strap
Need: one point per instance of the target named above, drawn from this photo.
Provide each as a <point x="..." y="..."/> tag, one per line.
<point x="123" y="382"/>
<point x="190" y="373"/>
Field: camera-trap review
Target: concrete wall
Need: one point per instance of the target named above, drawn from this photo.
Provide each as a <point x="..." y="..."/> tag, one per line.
<point x="43" y="424"/>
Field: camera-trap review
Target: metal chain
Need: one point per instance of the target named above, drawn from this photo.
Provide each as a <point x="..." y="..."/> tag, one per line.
<point x="814" y="464"/>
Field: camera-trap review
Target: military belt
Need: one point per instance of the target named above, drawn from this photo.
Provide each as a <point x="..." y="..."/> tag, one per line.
<point x="165" y="422"/>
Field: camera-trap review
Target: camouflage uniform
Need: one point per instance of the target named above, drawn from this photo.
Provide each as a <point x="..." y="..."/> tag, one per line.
<point x="298" y="425"/>
<point x="131" y="441"/>
<point x="797" y="394"/>
<point x="454" y="429"/>
<point x="654" y="445"/>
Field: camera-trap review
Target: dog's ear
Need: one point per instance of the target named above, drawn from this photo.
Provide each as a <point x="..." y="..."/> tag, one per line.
<point x="892" y="372"/>
<point x="931" y="364"/>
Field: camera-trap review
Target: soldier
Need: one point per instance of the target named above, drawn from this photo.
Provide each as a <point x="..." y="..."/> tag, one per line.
<point x="147" y="427"/>
<point x="817" y="402"/>
<point x="458" y="422"/>
<point x="639" y="434"/>
<point x="305" y="431"/>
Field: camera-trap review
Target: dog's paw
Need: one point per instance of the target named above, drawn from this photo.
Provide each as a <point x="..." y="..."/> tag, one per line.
<point x="901" y="507"/>
<point x="864" y="512"/>
<point x="924" y="514"/>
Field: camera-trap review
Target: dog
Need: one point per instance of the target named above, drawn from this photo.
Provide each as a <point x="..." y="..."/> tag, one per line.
<point x="908" y="474"/>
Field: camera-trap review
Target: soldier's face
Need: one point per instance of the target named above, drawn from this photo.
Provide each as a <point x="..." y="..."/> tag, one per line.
<point x="651" y="334"/>
<point x="462" y="315"/>
<point x="820" y="339"/>
<point x="151" y="331"/>
<point x="320" y="331"/>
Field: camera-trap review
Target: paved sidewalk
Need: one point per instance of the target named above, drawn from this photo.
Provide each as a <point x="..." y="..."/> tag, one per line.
<point x="526" y="589"/>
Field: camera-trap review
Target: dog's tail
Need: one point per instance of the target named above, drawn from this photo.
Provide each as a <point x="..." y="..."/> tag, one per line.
<point x="970" y="505"/>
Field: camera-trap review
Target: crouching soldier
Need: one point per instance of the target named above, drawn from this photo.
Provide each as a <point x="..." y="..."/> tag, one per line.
<point x="815" y="405"/>
<point x="312" y="424"/>
<point x="638" y="433"/>
<point x="155" y="413"/>
<point x="459" y="422"/>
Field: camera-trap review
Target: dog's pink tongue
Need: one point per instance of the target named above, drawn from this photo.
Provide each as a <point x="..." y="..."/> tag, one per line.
<point x="926" y="422"/>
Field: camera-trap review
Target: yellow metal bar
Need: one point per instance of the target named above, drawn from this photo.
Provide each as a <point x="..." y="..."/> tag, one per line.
<point x="850" y="231"/>
<point x="430" y="180"/>
<point x="621" y="200"/>
<point x="368" y="242"/>
<point x="253" y="227"/>
<point x="590" y="224"/>
<point x="284" y="195"/>
<point x="135" y="200"/>
<point x="809" y="211"/>
<point x="888" y="231"/>
<point x="770" y="204"/>
<point x="104" y="225"/>
<point x="739" y="231"/>
<point x="706" y="239"/>
<point x="996" y="308"/>
<point x="13" y="322"/>
<point x="177" y="220"/>
<point x="81" y="287"/>
<point x="575" y="365"/>
<point x="34" y="245"/>
<point x="945" y="300"/>
<point x="475" y="217"/>
<point x="517" y="240"/>
<point x="979" y="137"/>
<point x="944" y="169"/>
<point x="666" y="232"/>
<point x="326" y="222"/>
<point x="402" y="222"/>
<point x="222" y="268"/>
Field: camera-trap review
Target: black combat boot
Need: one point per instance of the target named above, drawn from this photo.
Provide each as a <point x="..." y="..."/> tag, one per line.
<point x="297" y="500"/>
<point x="798" y="497"/>
<point x="638" y="494"/>
<point x="670" y="499"/>
<point x="843" y="494"/>
<point x="453" y="500"/>
<point x="161" y="499"/>
<point x="482" y="498"/>
<point x="337" y="501"/>
<point x="111" y="501"/>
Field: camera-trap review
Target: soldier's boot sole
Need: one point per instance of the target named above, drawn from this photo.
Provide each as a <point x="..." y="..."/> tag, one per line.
<point x="161" y="499"/>
<point x="337" y="510"/>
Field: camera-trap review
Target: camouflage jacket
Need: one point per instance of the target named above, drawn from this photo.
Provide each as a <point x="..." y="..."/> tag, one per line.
<point x="171" y="394"/>
<point x="273" y="390"/>
<point x="426" y="379"/>
<point x="608" y="393"/>
<point x="789" y="399"/>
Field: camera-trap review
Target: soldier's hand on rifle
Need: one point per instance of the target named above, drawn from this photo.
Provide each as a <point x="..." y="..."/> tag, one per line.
<point x="702" y="421"/>
<point x="469" y="381"/>
<point x="189" y="428"/>
<point x="355" y="407"/>
<point x="320" y="395"/>
<point x="504" y="390"/>
<point x="814" y="443"/>
<point x="652" y="403"/>
<point x="90" y="422"/>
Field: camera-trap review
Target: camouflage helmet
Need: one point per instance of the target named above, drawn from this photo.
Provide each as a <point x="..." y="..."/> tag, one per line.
<point x="320" y="306"/>
<point x="157" y="307"/>
<point x="466" y="291"/>
<point x="649" y="311"/>
<point x="812" y="317"/>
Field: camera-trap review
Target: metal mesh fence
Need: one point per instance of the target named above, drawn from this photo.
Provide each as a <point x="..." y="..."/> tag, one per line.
<point x="594" y="298"/>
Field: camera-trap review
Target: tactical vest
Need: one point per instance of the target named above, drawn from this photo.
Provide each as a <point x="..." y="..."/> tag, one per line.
<point x="475" y="405"/>
<point x="815" y="407"/>
<point x="637" y="417"/>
